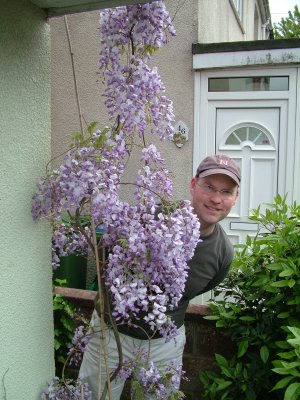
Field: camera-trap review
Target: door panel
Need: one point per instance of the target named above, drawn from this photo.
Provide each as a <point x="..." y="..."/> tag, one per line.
<point x="250" y="136"/>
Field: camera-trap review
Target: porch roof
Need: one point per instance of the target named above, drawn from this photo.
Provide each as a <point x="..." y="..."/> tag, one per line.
<point x="55" y="8"/>
<point x="201" y="48"/>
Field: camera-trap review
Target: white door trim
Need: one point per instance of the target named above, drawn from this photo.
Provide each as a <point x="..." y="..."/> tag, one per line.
<point x="245" y="58"/>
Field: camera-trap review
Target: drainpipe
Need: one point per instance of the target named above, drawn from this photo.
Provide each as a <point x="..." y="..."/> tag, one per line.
<point x="264" y="28"/>
<point x="268" y="22"/>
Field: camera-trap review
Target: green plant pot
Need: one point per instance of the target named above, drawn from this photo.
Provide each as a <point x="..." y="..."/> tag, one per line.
<point x="74" y="270"/>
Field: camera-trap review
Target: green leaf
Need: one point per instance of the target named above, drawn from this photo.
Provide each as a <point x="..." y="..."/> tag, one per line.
<point x="283" y="283"/>
<point x="224" y="385"/>
<point x="274" y="267"/>
<point x="243" y="347"/>
<point x="247" y="318"/>
<point x="57" y="344"/>
<point x="264" y="354"/>
<point x="282" y="383"/>
<point x="286" y="272"/>
<point x="221" y="360"/>
<point x="292" y="392"/>
<point x="286" y="355"/>
<point x="283" y="315"/>
<point x="67" y="323"/>
<point x="92" y="126"/>
<point x="291" y="283"/>
<point x="212" y="317"/>
<point x="281" y="371"/>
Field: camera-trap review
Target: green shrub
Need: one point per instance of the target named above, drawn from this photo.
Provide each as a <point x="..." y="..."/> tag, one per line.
<point x="261" y="299"/>
<point x="289" y="365"/>
<point x="64" y="327"/>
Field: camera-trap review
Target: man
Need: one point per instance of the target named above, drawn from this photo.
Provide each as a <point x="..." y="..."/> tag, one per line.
<point x="214" y="191"/>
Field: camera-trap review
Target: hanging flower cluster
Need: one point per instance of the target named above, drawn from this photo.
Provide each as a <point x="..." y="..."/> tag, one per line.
<point x="84" y="172"/>
<point x="67" y="241"/>
<point x="147" y="267"/>
<point x="134" y="91"/>
<point x="161" y="384"/>
<point x="68" y="390"/>
<point x="78" y="346"/>
<point x="149" y="380"/>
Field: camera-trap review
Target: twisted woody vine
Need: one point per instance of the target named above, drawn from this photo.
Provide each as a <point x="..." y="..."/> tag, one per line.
<point x="146" y="268"/>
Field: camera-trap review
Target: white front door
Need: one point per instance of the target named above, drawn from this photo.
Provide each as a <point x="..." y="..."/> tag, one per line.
<point x="255" y="128"/>
<point x="250" y="136"/>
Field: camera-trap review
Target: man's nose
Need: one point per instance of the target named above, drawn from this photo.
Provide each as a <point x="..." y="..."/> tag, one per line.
<point x="216" y="196"/>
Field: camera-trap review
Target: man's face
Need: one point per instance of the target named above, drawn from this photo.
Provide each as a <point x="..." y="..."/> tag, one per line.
<point x="213" y="197"/>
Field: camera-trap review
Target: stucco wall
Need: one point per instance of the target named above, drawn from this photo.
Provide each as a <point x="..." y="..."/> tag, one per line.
<point x="26" y="328"/>
<point x="219" y="23"/>
<point x="175" y="67"/>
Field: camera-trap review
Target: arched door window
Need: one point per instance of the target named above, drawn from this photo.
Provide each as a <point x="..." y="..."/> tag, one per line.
<point x="254" y="136"/>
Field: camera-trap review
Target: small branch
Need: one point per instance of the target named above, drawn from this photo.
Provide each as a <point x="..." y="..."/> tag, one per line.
<point x="101" y="310"/>
<point x="143" y="187"/>
<point x="131" y="39"/>
<point x="3" y="384"/>
<point x="74" y="75"/>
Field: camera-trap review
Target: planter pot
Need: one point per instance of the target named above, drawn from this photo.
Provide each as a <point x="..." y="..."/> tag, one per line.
<point x="74" y="270"/>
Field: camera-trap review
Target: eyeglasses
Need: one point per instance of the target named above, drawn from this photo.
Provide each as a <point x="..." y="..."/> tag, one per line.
<point x="208" y="189"/>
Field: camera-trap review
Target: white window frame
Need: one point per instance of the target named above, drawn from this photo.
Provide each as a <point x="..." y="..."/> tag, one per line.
<point x="238" y="4"/>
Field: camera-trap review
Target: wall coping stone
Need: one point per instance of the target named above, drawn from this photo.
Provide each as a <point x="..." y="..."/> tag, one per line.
<point x="87" y="297"/>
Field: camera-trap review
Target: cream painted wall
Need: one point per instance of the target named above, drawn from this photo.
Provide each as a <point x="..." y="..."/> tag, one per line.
<point x="26" y="328"/>
<point x="218" y="22"/>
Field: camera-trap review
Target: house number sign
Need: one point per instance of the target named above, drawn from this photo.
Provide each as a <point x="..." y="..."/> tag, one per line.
<point x="181" y="134"/>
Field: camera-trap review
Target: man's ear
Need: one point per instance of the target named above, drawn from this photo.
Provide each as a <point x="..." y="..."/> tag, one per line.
<point x="237" y="195"/>
<point x="193" y="185"/>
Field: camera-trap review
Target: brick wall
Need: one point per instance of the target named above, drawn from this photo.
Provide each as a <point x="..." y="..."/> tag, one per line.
<point x="202" y="340"/>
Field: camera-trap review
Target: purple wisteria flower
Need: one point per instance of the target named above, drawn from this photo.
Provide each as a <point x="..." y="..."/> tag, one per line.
<point x="139" y="357"/>
<point x="79" y="343"/>
<point x="161" y="383"/>
<point x="66" y="390"/>
<point x="66" y="241"/>
<point x="84" y="173"/>
<point x="147" y="267"/>
<point x="134" y="91"/>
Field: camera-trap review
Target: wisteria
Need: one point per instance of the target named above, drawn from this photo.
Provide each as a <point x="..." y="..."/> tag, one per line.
<point x="139" y="357"/>
<point x="154" y="382"/>
<point x="134" y="91"/>
<point x="149" y="239"/>
<point x="78" y="346"/>
<point x="148" y="269"/>
<point x="67" y="241"/>
<point x="66" y="390"/>
<point x="161" y="383"/>
<point x="84" y="172"/>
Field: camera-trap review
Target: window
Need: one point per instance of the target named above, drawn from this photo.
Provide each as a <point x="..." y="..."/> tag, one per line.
<point x="238" y="4"/>
<point x="248" y="134"/>
<point x="248" y="84"/>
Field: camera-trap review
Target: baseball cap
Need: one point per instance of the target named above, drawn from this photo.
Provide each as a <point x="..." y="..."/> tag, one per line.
<point x="219" y="164"/>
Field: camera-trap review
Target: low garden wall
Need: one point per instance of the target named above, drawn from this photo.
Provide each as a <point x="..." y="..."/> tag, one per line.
<point x="203" y="339"/>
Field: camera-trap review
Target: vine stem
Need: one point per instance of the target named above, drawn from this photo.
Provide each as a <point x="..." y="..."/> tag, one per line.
<point x="100" y="307"/>
<point x="74" y="75"/>
<point x="3" y="377"/>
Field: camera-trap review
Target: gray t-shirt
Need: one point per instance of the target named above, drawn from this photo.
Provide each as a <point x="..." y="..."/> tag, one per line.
<point x="207" y="268"/>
